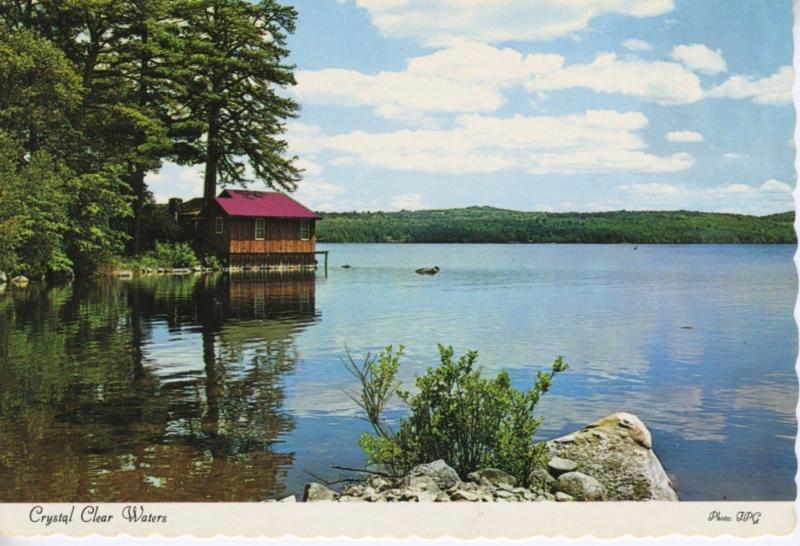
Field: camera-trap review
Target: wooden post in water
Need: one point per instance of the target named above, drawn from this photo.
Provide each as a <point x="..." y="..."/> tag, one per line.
<point x="325" y="252"/>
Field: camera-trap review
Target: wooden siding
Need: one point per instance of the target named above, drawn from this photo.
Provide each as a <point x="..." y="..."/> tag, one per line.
<point x="281" y="236"/>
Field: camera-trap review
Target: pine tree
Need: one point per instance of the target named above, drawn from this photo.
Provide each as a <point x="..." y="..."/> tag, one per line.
<point x="234" y="52"/>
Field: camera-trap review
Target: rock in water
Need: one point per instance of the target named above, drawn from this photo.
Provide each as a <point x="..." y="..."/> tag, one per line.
<point x="580" y="486"/>
<point x="428" y="270"/>
<point x="317" y="492"/>
<point x="20" y="280"/>
<point x="617" y="451"/>
<point x="444" y="475"/>
<point x="558" y="466"/>
<point x="492" y="476"/>
<point x="3" y="277"/>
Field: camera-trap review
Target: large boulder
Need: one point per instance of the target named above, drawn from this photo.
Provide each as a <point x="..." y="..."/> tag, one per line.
<point x="3" y="277"/>
<point x="443" y="474"/>
<point x="20" y="281"/>
<point x="617" y="451"/>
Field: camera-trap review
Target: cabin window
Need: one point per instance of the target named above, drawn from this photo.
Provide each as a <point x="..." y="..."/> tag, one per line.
<point x="261" y="229"/>
<point x="220" y="225"/>
<point x="305" y="230"/>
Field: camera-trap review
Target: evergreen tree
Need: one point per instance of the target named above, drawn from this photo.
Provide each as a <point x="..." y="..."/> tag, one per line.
<point x="234" y="53"/>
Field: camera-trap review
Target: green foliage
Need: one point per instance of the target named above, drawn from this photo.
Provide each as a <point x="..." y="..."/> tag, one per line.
<point x="110" y="89"/>
<point x="33" y="213"/>
<point x="491" y="225"/>
<point x="457" y="415"/>
<point x="212" y="261"/>
<point x="53" y="220"/>
<point x="233" y="60"/>
<point x="174" y="255"/>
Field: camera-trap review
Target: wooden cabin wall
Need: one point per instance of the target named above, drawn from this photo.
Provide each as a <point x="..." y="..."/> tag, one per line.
<point x="217" y="242"/>
<point x="282" y="236"/>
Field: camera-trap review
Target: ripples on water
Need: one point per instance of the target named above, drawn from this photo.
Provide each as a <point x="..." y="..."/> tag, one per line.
<point x="231" y="388"/>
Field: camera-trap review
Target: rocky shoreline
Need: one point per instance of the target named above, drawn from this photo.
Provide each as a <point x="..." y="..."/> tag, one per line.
<point x="611" y="459"/>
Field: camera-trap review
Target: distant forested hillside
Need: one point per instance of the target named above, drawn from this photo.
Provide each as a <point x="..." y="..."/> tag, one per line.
<point x="492" y="225"/>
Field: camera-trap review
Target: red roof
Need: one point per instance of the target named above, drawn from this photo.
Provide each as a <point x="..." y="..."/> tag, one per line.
<point x="263" y="204"/>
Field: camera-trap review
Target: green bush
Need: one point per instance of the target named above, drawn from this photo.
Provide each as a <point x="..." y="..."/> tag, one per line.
<point x="456" y="415"/>
<point x="174" y="255"/>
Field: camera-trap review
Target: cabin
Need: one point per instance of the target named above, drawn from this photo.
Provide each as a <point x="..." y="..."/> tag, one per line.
<point x="252" y="229"/>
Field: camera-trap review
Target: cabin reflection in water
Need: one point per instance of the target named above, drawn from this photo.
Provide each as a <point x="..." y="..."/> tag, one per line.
<point x="198" y="418"/>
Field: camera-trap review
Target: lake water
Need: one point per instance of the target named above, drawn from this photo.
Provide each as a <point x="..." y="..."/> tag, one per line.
<point x="231" y="388"/>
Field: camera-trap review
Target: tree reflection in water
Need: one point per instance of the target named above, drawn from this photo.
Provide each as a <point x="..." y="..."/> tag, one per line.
<point x="161" y="389"/>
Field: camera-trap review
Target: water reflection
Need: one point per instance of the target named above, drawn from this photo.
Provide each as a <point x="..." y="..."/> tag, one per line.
<point x="95" y="406"/>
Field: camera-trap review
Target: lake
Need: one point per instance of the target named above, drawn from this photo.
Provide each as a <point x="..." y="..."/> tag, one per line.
<point x="231" y="387"/>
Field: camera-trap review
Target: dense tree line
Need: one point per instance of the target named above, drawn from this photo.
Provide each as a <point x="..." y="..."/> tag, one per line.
<point x="491" y="225"/>
<point x="97" y="93"/>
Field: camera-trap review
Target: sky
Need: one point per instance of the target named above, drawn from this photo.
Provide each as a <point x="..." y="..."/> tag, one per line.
<point x="540" y="105"/>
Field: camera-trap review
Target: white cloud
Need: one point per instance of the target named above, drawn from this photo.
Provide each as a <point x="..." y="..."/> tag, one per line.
<point x="443" y="22"/>
<point x="633" y="44"/>
<point x="771" y="196"/>
<point x="700" y="58"/>
<point x="774" y="89"/>
<point x="467" y="77"/>
<point x="407" y="201"/>
<point x="309" y="167"/>
<point x="174" y="180"/>
<point x="319" y="194"/>
<point x="596" y="141"/>
<point x="684" y="136"/>
<point x="662" y="82"/>
<point x="775" y="186"/>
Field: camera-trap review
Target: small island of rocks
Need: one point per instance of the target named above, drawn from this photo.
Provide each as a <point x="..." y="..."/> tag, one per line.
<point x="611" y="459"/>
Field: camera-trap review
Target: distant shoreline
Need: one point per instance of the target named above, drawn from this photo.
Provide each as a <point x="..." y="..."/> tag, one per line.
<point x="501" y="226"/>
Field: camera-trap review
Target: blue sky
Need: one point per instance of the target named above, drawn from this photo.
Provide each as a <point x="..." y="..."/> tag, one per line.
<point x="539" y="105"/>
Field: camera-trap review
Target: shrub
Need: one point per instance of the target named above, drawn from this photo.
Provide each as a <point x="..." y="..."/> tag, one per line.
<point x="456" y="415"/>
<point x="174" y="255"/>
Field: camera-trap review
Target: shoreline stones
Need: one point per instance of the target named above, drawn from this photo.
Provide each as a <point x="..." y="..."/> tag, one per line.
<point x="610" y="460"/>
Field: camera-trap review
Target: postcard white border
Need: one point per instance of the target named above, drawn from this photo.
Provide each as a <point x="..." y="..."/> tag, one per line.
<point x="438" y="520"/>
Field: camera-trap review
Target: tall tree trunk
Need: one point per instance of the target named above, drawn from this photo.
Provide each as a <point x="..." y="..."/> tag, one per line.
<point x="138" y="186"/>
<point x="137" y="177"/>
<point x="212" y="156"/>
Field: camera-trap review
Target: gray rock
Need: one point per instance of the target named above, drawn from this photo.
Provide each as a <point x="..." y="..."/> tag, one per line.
<point x="501" y="494"/>
<point x="426" y="496"/>
<point x="290" y="498"/>
<point x="348" y="498"/>
<point x="315" y="492"/>
<point x="3" y="277"/>
<point x="20" y="280"/>
<point x="563" y="497"/>
<point x="417" y="484"/>
<point x="444" y="475"/>
<point x="581" y="486"/>
<point x="541" y="479"/>
<point x="197" y="268"/>
<point x="380" y="483"/>
<point x="464" y="496"/>
<point x="558" y="466"/>
<point x="492" y="476"/>
<point x="617" y="451"/>
<point x="180" y="270"/>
